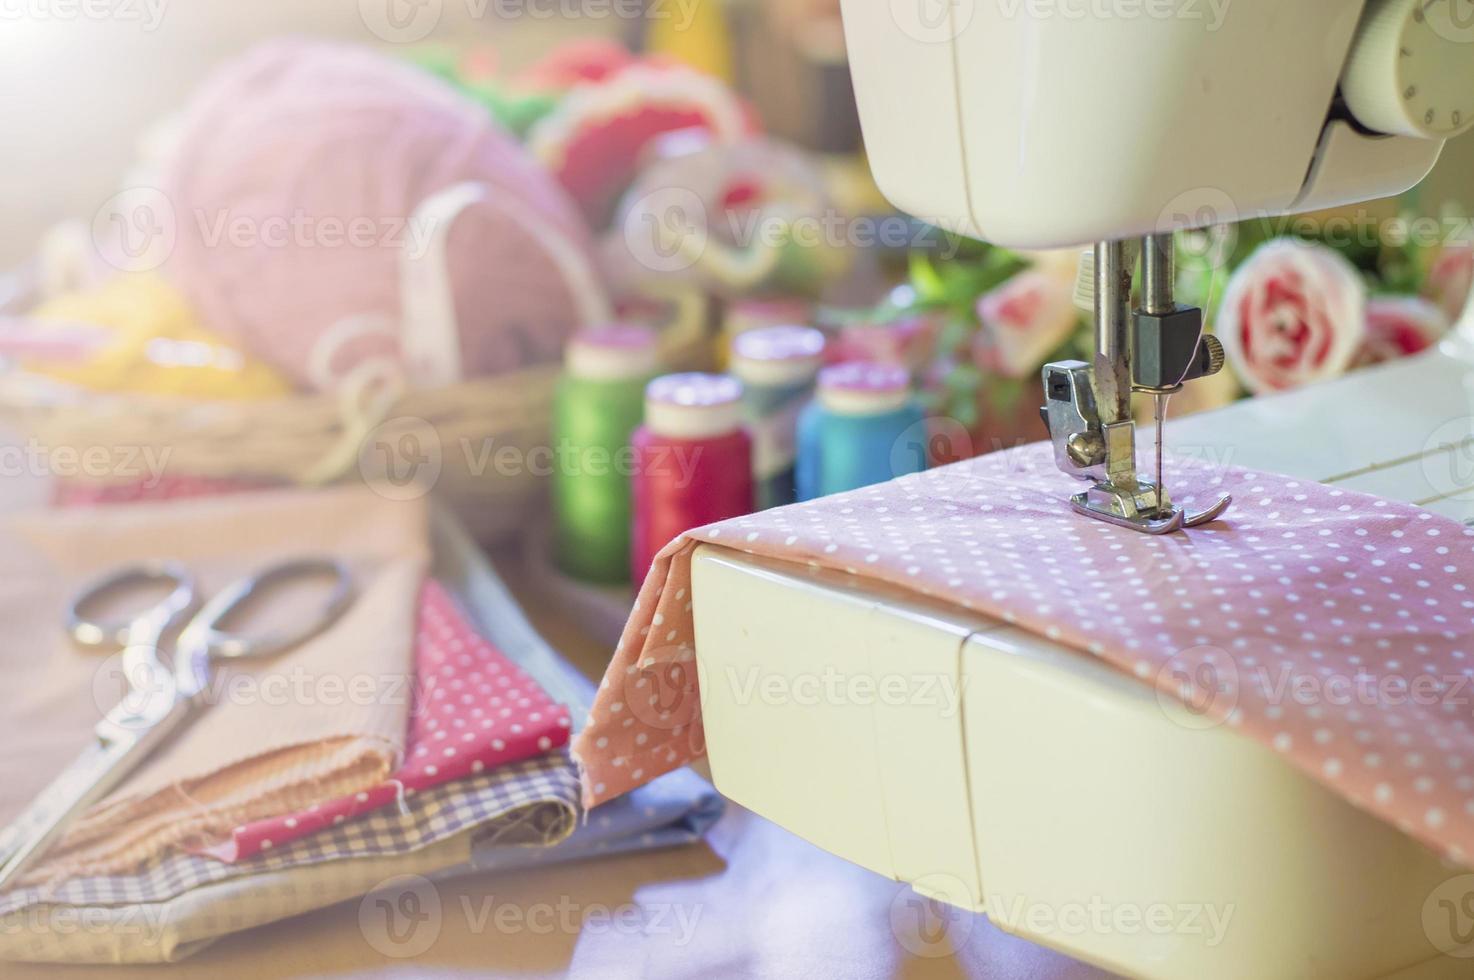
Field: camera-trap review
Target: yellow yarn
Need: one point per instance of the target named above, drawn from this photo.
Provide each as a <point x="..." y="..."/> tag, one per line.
<point x="157" y="346"/>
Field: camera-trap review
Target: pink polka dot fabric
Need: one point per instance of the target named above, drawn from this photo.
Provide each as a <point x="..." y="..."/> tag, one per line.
<point x="473" y="710"/>
<point x="1333" y="627"/>
<point x="67" y="493"/>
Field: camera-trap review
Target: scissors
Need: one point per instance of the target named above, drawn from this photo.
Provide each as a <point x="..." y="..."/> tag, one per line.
<point x="161" y="699"/>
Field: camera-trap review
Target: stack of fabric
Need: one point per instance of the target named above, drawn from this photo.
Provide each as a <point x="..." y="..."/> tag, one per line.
<point x="424" y="732"/>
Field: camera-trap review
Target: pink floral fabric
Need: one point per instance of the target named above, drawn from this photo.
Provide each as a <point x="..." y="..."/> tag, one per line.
<point x="1333" y="627"/>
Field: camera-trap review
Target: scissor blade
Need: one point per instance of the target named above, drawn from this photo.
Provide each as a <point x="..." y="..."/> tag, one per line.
<point x="125" y="737"/>
<point x="94" y="774"/>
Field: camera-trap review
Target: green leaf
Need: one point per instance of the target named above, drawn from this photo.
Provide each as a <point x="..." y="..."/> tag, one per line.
<point x="929" y="285"/>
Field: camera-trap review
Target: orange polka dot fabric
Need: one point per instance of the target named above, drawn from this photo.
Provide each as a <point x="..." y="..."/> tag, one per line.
<point x="1333" y="627"/>
<point x="473" y="710"/>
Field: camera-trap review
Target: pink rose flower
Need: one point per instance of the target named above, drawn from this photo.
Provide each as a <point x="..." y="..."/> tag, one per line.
<point x="1293" y="314"/>
<point x="1023" y="322"/>
<point x="1400" y="325"/>
<point x="1450" y="280"/>
<point x="907" y="341"/>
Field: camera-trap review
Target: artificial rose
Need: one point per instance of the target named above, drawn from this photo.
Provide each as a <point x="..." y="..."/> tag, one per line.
<point x="1398" y="326"/>
<point x="908" y="340"/>
<point x="1293" y="314"/>
<point x="1023" y="321"/>
<point x="1450" y="279"/>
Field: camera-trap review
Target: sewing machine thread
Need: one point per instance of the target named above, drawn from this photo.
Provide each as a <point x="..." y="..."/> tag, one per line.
<point x="864" y="427"/>
<point x="597" y="406"/>
<point x="777" y="367"/>
<point x="692" y="461"/>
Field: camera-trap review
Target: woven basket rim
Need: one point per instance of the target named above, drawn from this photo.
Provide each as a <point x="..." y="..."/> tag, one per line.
<point x="89" y="399"/>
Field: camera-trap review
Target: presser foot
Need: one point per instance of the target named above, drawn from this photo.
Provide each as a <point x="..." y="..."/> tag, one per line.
<point x="1124" y="509"/>
<point x="1211" y="514"/>
<point x="1141" y="522"/>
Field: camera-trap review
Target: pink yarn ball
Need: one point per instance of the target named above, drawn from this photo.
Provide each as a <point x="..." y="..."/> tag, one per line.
<point x="299" y="170"/>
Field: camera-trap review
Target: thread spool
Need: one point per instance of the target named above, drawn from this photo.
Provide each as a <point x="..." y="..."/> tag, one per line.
<point x="598" y="404"/>
<point x="744" y="315"/>
<point x="777" y="367"/>
<point x="693" y="461"/>
<point x="863" y="427"/>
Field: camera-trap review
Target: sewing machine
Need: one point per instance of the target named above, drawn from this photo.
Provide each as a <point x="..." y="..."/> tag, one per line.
<point x="1045" y="124"/>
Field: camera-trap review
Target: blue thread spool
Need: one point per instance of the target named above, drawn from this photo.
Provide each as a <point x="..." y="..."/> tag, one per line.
<point x="863" y="427"/>
<point x="777" y="367"/>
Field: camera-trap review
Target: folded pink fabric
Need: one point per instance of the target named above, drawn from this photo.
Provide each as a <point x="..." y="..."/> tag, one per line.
<point x="80" y="493"/>
<point x="474" y="710"/>
<point x="1334" y="627"/>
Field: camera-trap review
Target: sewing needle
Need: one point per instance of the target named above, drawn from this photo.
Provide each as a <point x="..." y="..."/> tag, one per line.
<point x="1159" y="405"/>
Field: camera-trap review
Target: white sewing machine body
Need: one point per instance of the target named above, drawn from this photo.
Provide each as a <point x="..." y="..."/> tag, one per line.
<point x="1049" y="123"/>
<point x="1052" y="781"/>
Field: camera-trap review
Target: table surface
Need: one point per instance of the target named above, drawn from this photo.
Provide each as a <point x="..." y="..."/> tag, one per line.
<point x="752" y="901"/>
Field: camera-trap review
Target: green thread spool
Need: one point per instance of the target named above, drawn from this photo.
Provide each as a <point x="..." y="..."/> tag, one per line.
<point x="599" y="402"/>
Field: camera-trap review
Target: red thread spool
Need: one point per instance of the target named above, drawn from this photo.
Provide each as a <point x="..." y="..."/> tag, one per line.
<point x="693" y="462"/>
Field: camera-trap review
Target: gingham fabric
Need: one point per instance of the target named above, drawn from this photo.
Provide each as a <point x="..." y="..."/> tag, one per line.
<point x="163" y="932"/>
<point x="533" y="803"/>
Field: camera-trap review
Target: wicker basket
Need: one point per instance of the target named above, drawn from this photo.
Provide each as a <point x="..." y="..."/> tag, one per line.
<point x="463" y="441"/>
<point x="482" y="446"/>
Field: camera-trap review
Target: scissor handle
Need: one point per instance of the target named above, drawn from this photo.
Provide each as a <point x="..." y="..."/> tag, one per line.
<point x="145" y="626"/>
<point x="204" y="634"/>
